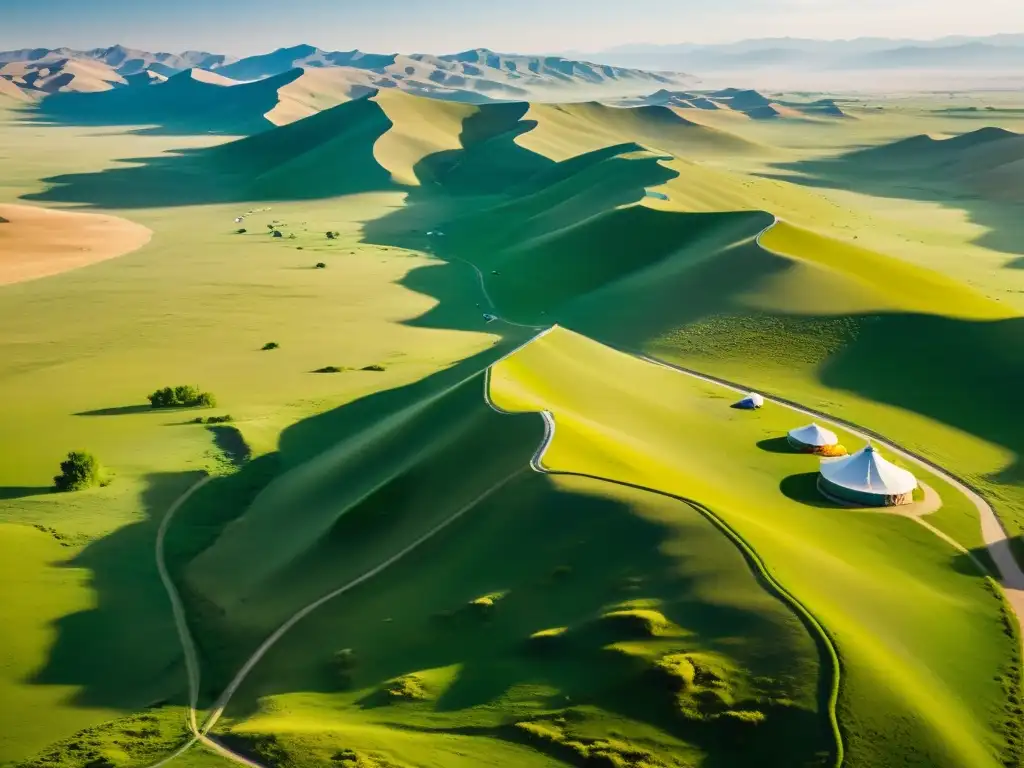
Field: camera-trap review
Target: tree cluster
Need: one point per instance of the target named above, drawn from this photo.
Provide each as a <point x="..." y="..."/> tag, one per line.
<point x="182" y="397"/>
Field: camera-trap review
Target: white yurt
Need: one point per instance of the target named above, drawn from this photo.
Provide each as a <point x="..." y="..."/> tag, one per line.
<point x="751" y="402"/>
<point x="812" y="438"/>
<point x="866" y="479"/>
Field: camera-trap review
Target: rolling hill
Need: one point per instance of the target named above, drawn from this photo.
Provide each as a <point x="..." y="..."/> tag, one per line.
<point x="396" y="562"/>
<point x="984" y="163"/>
<point x="198" y="101"/>
<point x="126" y="61"/>
<point x="750" y="103"/>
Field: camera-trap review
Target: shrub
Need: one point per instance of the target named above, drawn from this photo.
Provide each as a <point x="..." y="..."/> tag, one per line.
<point x="79" y="471"/>
<point x="225" y="419"/>
<point x="638" y="622"/>
<point x="483" y="606"/>
<point x="276" y="233"/>
<point x="547" y="640"/>
<point x="181" y="397"/>
<point x="240" y="231"/>
<point x="321" y="265"/>
<point x="330" y="235"/>
<point x="677" y="671"/>
<point x="329" y="369"/>
<point x="270" y="345"/>
<point x="377" y="368"/>
<point x="407" y="688"/>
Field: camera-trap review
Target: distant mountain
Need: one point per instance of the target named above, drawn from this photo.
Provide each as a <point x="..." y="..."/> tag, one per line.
<point x="750" y="103"/>
<point x="474" y="76"/>
<point x="995" y="52"/>
<point x="480" y="69"/>
<point x="125" y="61"/>
<point x="53" y="75"/>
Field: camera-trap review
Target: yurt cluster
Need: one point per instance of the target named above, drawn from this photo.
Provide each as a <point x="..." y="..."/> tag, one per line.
<point x="863" y="479"/>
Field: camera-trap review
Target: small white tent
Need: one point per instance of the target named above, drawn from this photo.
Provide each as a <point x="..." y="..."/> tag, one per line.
<point x="811" y="438"/>
<point x="751" y="402"/>
<point x="866" y="478"/>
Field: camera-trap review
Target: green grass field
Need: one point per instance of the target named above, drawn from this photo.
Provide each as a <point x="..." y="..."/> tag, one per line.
<point x="544" y="620"/>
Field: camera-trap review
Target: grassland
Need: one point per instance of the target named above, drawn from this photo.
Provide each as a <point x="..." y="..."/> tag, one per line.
<point x="901" y="685"/>
<point x="466" y="655"/>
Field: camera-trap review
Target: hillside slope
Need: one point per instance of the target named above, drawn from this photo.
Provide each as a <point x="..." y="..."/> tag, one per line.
<point x="620" y="580"/>
<point x="888" y="595"/>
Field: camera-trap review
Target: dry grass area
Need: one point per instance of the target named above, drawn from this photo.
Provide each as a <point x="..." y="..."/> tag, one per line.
<point x="37" y="242"/>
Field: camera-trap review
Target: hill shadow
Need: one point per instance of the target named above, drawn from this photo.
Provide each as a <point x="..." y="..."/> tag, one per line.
<point x="871" y="172"/>
<point x="122" y="653"/>
<point x="232" y="444"/>
<point x="178" y="178"/>
<point x="9" y="493"/>
<point x="181" y="106"/>
<point x="121" y="410"/>
<point x="327" y="155"/>
<point x="615" y="554"/>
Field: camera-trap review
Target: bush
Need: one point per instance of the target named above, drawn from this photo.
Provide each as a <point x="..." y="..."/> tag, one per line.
<point x="270" y="345"/>
<point x="240" y="231"/>
<point x="329" y="369"/>
<point x="181" y="397"/>
<point x="226" y="419"/>
<point x="330" y="235"/>
<point x="377" y="368"/>
<point x="79" y="471"/>
<point x="321" y="265"/>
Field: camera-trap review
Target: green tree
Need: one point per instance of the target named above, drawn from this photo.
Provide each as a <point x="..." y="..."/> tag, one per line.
<point x="79" y="471"/>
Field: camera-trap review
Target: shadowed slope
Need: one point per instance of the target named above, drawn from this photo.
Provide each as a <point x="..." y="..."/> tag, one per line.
<point x="189" y="102"/>
<point x="408" y="461"/>
<point x="886" y="594"/>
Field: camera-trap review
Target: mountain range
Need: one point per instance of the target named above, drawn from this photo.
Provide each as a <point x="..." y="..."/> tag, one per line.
<point x="474" y="76"/>
<point x="869" y="53"/>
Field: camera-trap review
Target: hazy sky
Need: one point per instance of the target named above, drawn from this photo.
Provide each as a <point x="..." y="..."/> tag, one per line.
<point x="251" y="26"/>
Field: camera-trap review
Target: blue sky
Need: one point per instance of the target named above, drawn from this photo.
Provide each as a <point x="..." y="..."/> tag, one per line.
<point x="249" y="26"/>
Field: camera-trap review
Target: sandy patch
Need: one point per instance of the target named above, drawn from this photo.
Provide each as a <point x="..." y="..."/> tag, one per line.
<point x="37" y="242"/>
